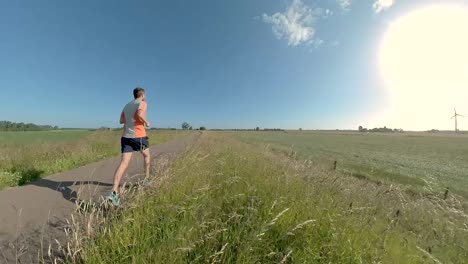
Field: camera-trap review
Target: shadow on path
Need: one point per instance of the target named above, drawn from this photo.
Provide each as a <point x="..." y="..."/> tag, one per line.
<point x="64" y="187"/>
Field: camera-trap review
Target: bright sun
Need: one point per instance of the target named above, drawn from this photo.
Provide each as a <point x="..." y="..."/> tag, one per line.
<point x="424" y="62"/>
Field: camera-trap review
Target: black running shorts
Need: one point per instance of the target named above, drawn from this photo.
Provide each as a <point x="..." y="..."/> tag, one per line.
<point x="134" y="144"/>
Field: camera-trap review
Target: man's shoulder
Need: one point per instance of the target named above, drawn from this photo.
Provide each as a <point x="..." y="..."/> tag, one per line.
<point x="141" y="105"/>
<point x="135" y="104"/>
<point x="127" y="105"/>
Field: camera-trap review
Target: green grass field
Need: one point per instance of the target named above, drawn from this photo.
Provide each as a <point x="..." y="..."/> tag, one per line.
<point x="424" y="161"/>
<point x="227" y="201"/>
<point x="27" y="156"/>
<point x="267" y="197"/>
<point x="34" y="137"/>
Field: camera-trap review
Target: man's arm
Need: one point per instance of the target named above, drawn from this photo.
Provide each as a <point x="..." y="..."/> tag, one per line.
<point x="122" y="118"/>
<point x="141" y="114"/>
<point x="142" y="117"/>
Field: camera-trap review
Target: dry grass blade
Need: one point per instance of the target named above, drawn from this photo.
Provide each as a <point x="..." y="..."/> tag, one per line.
<point x="217" y="254"/>
<point x="286" y="257"/>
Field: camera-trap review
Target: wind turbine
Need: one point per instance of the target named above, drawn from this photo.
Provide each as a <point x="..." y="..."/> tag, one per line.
<point x="456" y="115"/>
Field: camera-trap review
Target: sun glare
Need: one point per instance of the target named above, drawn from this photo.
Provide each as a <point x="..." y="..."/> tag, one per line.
<point x="424" y="63"/>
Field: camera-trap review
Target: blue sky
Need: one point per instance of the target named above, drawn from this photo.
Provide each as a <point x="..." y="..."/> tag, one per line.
<point x="221" y="64"/>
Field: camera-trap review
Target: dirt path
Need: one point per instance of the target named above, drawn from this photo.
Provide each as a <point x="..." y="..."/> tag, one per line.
<point x="33" y="216"/>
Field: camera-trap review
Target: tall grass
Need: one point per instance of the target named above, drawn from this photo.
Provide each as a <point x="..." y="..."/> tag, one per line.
<point x="23" y="163"/>
<point x="230" y="202"/>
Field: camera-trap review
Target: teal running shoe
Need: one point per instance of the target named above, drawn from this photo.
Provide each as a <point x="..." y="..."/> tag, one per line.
<point x="112" y="197"/>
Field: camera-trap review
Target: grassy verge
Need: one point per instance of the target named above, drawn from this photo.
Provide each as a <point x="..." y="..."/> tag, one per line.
<point x="230" y="202"/>
<point x="21" y="163"/>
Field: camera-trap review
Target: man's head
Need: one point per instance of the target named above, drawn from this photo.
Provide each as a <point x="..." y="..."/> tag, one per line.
<point x="139" y="93"/>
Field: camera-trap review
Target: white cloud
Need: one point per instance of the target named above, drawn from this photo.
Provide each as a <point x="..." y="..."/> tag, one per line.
<point x="322" y="13"/>
<point x="296" y="24"/>
<point x="345" y="4"/>
<point x="381" y="5"/>
<point x="318" y="43"/>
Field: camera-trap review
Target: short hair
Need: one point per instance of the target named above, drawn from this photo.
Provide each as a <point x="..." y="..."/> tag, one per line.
<point x="138" y="92"/>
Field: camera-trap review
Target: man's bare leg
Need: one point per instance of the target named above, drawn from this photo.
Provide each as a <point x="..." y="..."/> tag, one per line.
<point x="120" y="170"/>
<point x="147" y="157"/>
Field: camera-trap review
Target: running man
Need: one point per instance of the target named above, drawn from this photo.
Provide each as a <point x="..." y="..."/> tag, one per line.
<point x="133" y="139"/>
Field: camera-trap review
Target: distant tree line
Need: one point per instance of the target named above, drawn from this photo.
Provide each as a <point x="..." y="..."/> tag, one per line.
<point x="232" y="129"/>
<point x="162" y="128"/>
<point x="187" y="126"/>
<point x="380" y="130"/>
<point x="273" y="129"/>
<point x="13" y="126"/>
<point x="247" y="129"/>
